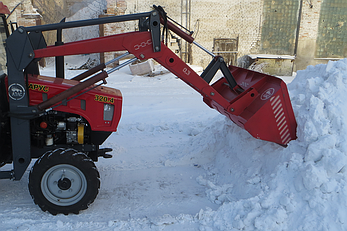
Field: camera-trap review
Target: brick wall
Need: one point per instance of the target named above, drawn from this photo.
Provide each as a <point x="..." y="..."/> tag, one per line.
<point x="245" y="19"/>
<point x="309" y="20"/>
<point x="117" y="7"/>
<point x="210" y="19"/>
<point x="24" y="14"/>
<point x="308" y="34"/>
<point x="226" y="19"/>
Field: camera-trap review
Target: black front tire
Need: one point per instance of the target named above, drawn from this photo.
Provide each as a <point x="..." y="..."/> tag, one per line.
<point x="64" y="181"/>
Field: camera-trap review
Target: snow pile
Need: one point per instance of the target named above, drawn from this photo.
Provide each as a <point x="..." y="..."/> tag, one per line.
<point x="262" y="186"/>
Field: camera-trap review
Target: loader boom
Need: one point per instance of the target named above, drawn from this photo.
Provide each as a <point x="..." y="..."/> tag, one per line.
<point x="248" y="104"/>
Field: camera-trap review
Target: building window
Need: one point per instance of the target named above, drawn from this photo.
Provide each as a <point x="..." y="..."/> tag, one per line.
<point x="279" y="26"/>
<point x="332" y="30"/>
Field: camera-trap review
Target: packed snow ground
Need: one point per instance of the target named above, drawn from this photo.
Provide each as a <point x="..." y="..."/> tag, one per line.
<point x="179" y="165"/>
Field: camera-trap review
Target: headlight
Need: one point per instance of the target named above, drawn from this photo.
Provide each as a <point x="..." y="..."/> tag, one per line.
<point x="108" y="111"/>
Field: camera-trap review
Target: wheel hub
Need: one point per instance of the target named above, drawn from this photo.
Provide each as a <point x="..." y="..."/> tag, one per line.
<point x="64" y="184"/>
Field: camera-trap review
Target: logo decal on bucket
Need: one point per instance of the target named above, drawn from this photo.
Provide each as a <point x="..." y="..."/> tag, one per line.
<point x="267" y="94"/>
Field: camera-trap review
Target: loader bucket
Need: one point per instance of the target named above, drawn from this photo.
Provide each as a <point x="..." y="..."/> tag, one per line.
<point x="263" y="108"/>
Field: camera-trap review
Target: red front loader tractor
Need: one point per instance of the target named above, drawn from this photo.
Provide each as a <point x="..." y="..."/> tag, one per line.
<point x="62" y="122"/>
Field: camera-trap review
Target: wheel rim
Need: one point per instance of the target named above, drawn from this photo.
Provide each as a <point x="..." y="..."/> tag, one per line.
<point x="63" y="185"/>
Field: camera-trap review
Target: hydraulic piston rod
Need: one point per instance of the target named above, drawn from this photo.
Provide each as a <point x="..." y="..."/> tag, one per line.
<point x="97" y="68"/>
<point x="185" y="36"/>
<point x="121" y="65"/>
<point x="80" y="86"/>
<point x="204" y="49"/>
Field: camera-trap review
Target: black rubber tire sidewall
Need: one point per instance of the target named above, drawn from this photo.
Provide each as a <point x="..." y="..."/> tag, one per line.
<point x="70" y="157"/>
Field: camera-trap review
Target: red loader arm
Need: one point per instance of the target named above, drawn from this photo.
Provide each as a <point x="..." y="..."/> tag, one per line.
<point x="140" y="45"/>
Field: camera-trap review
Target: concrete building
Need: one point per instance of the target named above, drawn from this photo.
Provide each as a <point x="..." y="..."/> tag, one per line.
<point x="284" y="35"/>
